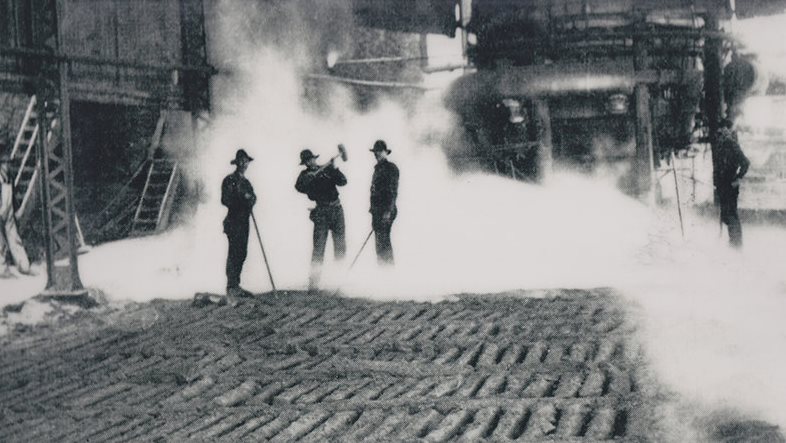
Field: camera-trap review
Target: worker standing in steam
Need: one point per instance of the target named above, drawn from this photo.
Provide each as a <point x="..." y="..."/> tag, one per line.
<point x="731" y="166"/>
<point x="238" y="196"/>
<point x="384" y="190"/>
<point x="319" y="184"/>
<point x="12" y="250"/>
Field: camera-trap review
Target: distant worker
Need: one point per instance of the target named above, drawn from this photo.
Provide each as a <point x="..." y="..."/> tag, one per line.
<point x="384" y="190"/>
<point x="238" y="196"/>
<point x="12" y="250"/>
<point x="731" y="164"/>
<point x="319" y="184"/>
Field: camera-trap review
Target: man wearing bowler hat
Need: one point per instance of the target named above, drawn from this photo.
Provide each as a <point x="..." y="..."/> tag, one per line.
<point x="238" y="196"/>
<point x="384" y="190"/>
<point x="319" y="184"/>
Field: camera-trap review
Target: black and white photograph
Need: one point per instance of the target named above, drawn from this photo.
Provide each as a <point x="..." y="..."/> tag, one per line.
<point x="393" y="220"/>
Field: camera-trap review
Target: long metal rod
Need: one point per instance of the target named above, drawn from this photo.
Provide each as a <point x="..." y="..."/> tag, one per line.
<point x="355" y="260"/>
<point x="264" y="255"/>
<point x="677" y="190"/>
<point x="357" y="256"/>
<point x="380" y="84"/>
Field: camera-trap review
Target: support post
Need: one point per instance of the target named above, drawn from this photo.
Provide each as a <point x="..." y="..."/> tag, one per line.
<point x="644" y="156"/>
<point x="58" y="183"/>
<point x="713" y="92"/>
<point x="545" y="145"/>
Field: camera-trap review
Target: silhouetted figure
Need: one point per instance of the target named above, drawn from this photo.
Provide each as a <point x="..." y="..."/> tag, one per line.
<point x="384" y="190"/>
<point x="731" y="166"/>
<point x="319" y="184"/>
<point x="238" y="196"/>
<point x="12" y="249"/>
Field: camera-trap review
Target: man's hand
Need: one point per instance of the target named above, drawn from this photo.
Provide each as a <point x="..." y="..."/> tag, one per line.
<point x="735" y="183"/>
<point x="386" y="216"/>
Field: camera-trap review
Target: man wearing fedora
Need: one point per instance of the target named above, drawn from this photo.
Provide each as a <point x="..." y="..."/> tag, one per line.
<point x="319" y="184"/>
<point x="12" y="249"/>
<point x="384" y="190"/>
<point x="238" y="196"/>
<point x="732" y="165"/>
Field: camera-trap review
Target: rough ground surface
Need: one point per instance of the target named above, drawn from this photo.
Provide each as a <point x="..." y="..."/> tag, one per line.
<point x="319" y="368"/>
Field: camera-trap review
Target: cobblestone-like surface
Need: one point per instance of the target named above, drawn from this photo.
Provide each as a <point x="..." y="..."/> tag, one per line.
<point x="318" y="368"/>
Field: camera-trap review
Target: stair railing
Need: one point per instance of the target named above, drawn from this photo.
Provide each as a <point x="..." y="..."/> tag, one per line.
<point x="144" y="191"/>
<point x="25" y="121"/>
<point x="23" y="163"/>
<point x="169" y="193"/>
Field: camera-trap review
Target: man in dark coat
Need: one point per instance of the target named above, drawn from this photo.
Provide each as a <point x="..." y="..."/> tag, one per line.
<point x="238" y="196"/>
<point x="731" y="166"/>
<point x="384" y="190"/>
<point x="319" y="184"/>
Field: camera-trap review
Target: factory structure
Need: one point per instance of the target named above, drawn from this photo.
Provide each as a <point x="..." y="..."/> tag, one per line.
<point x="541" y="84"/>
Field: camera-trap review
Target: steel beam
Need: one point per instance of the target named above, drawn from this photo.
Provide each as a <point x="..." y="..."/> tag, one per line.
<point x="57" y="179"/>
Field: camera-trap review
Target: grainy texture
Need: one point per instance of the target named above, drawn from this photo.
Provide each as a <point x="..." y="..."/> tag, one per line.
<point x="317" y="368"/>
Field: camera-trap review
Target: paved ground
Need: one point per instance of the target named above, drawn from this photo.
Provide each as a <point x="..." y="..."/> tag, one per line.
<point x="319" y="368"/>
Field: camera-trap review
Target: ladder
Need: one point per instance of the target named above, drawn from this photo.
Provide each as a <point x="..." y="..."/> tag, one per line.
<point x="24" y="162"/>
<point x="25" y="167"/>
<point x="155" y="206"/>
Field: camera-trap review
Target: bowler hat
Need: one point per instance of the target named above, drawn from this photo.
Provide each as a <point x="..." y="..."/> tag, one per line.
<point x="306" y="155"/>
<point x="241" y="154"/>
<point x="380" y="145"/>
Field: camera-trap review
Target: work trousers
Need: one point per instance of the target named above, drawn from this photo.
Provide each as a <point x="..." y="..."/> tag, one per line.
<point x="327" y="219"/>
<point x="382" y="230"/>
<point x="237" y="235"/>
<point x="727" y="197"/>
<point x="11" y="244"/>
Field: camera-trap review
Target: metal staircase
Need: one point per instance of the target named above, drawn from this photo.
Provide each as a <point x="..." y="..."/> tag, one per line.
<point x="155" y="207"/>
<point x="143" y="206"/>
<point x="26" y="167"/>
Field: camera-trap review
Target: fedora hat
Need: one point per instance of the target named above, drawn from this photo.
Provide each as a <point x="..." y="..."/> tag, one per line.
<point x="306" y="155"/>
<point x="379" y="146"/>
<point x="241" y="154"/>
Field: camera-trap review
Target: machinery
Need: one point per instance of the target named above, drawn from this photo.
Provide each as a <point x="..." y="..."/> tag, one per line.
<point x="596" y="85"/>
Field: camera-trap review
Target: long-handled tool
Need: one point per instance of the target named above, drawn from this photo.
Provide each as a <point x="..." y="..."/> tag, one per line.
<point x="264" y="256"/>
<point x="357" y="256"/>
<point x="677" y="190"/>
<point x="342" y="153"/>
<point x="355" y="260"/>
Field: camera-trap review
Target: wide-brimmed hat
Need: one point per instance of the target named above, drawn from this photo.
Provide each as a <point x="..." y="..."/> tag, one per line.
<point x="306" y="155"/>
<point x="241" y="154"/>
<point x="380" y="146"/>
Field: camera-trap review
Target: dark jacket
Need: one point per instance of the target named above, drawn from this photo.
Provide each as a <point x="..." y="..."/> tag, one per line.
<point x="384" y="188"/>
<point x="321" y="187"/>
<point x="731" y="162"/>
<point x="238" y="196"/>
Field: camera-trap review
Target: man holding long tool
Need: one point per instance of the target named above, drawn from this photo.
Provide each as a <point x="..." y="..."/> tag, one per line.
<point x="238" y="196"/>
<point x="319" y="184"/>
<point x="384" y="190"/>
<point x="731" y="166"/>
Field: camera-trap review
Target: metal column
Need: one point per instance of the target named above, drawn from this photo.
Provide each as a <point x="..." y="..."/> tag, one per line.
<point x="57" y="180"/>
<point x="545" y="145"/>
